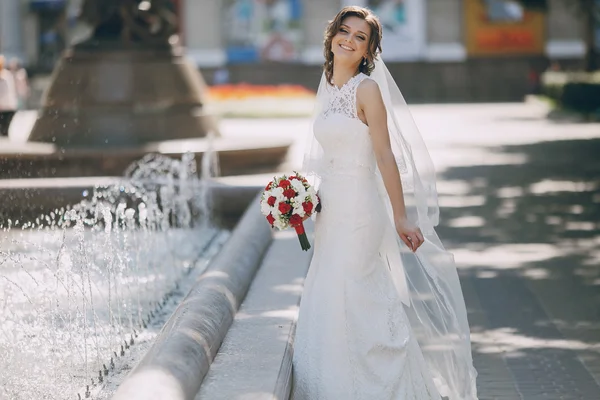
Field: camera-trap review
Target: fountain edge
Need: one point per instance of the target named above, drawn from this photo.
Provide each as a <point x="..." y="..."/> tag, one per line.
<point x="180" y="358"/>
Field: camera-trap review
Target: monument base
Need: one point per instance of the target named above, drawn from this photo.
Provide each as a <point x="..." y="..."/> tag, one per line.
<point x="115" y="95"/>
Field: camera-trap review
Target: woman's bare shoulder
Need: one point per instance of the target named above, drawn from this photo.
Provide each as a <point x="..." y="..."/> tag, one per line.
<point x="368" y="91"/>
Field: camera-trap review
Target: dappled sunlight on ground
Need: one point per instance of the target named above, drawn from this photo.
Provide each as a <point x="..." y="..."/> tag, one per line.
<point x="509" y="340"/>
<point x="520" y="210"/>
<point x="500" y="257"/>
<point x="293" y="289"/>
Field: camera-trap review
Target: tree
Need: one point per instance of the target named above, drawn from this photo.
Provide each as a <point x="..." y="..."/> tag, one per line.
<point x="590" y="11"/>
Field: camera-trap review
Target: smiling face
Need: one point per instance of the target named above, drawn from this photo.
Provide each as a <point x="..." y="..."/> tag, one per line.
<point x="351" y="42"/>
<point x="352" y="36"/>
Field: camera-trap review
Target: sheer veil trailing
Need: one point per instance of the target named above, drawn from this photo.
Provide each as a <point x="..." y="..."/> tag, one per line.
<point x="427" y="280"/>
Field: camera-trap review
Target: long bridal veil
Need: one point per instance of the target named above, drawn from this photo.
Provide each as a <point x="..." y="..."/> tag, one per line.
<point x="427" y="281"/>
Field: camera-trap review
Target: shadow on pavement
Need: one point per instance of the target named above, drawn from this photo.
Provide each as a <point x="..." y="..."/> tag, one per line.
<point x="527" y="239"/>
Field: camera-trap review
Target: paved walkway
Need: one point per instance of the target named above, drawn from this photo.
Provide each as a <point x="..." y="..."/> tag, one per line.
<point x="521" y="211"/>
<point x="520" y="199"/>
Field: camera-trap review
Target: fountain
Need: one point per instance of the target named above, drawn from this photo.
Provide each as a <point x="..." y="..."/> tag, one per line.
<point x="90" y="280"/>
<point x="125" y="91"/>
<point x="79" y="285"/>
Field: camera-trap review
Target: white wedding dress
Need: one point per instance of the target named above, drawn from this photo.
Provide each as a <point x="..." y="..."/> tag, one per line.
<point x="353" y="338"/>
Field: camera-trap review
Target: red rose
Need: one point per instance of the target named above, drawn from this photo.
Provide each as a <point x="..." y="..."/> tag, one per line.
<point x="292" y="177"/>
<point x="268" y="186"/>
<point x="284" y="183"/>
<point x="271" y="200"/>
<point x="289" y="193"/>
<point x="284" y="208"/>
<point x="295" y="220"/>
<point x="270" y="219"/>
<point x="308" y="207"/>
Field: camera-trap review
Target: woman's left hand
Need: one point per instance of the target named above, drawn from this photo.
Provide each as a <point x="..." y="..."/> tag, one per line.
<point x="409" y="233"/>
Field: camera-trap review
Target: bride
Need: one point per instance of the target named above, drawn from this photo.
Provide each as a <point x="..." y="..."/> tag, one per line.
<point x="382" y="316"/>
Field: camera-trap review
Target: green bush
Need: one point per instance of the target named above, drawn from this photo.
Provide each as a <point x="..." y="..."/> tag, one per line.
<point x="577" y="91"/>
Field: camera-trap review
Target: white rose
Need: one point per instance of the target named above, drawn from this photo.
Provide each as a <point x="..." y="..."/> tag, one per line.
<point x="265" y="208"/>
<point x="298" y="186"/>
<point x="301" y="196"/>
<point x="299" y="211"/>
<point x="278" y="193"/>
<point x="275" y="212"/>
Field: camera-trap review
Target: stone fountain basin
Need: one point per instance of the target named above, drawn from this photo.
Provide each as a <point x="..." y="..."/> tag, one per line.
<point x="26" y="199"/>
<point x="236" y="156"/>
<point x="210" y="306"/>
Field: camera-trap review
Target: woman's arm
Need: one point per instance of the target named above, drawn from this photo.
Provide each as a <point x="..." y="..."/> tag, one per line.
<point x="373" y="109"/>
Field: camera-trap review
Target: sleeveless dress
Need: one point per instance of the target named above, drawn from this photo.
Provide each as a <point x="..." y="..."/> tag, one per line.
<point x="353" y="340"/>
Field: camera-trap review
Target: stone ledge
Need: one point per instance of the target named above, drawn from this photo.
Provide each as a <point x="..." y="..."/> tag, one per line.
<point x="237" y="156"/>
<point x="255" y="359"/>
<point x="175" y="366"/>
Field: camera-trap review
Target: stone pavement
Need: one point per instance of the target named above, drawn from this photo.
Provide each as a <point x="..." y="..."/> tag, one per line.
<point x="520" y="198"/>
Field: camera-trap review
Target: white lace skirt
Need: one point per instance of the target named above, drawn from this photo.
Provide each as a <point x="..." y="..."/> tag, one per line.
<point x="353" y="340"/>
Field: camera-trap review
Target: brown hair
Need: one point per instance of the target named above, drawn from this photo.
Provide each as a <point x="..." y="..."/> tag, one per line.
<point x="374" y="39"/>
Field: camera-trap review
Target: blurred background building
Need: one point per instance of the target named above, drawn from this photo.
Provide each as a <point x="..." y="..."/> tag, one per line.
<point x="439" y="50"/>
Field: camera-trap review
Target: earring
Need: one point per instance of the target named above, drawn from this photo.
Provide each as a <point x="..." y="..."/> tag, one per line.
<point x="365" y="62"/>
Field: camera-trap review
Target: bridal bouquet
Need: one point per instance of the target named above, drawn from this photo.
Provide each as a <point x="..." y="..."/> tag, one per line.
<point x="287" y="201"/>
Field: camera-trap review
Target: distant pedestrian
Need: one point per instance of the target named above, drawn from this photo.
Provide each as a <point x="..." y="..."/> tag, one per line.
<point x="8" y="98"/>
<point x="21" y="82"/>
<point x="555" y="67"/>
<point x="533" y="79"/>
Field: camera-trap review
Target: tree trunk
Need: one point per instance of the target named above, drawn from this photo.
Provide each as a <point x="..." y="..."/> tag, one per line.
<point x="588" y="8"/>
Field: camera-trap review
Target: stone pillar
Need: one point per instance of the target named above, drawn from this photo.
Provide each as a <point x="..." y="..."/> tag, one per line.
<point x="564" y="31"/>
<point x="11" y="43"/>
<point x="203" y="32"/>
<point x="445" y="36"/>
<point x="317" y="14"/>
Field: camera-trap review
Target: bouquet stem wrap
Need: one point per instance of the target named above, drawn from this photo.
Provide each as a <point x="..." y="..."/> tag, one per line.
<point x="304" y="243"/>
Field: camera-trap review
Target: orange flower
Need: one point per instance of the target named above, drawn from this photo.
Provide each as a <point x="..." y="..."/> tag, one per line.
<point x="244" y="91"/>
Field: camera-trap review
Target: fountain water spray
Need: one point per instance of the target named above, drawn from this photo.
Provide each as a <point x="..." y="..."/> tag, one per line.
<point x="79" y="284"/>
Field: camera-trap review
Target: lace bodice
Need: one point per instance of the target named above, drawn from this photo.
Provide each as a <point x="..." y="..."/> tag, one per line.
<point x="343" y="100"/>
<point x="344" y="137"/>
